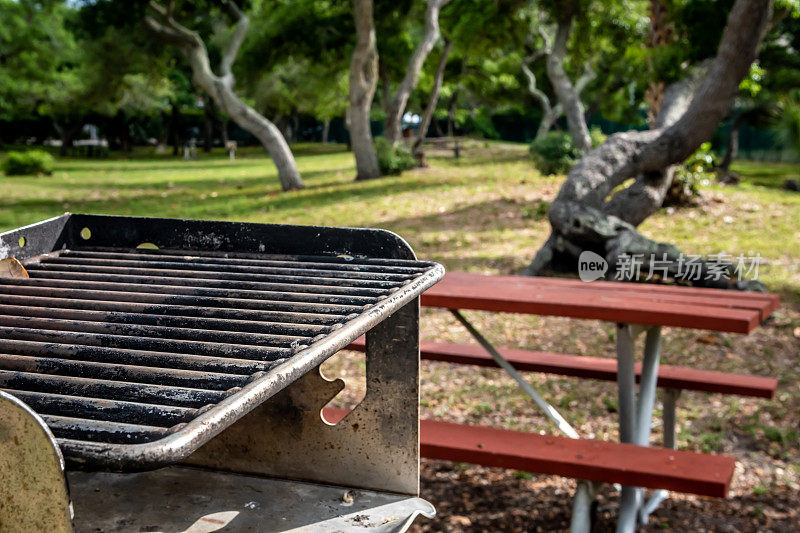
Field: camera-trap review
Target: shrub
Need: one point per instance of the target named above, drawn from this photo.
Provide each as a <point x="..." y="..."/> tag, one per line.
<point x="30" y="162"/>
<point x="393" y="160"/>
<point x="554" y="153"/>
<point x="697" y="170"/>
<point x="597" y="136"/>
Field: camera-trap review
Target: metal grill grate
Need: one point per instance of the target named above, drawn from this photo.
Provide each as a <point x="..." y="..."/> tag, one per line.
<point x="119" y="348"/>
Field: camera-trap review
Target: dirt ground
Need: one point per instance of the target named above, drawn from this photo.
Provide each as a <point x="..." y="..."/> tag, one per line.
<point x="761" y="434"/>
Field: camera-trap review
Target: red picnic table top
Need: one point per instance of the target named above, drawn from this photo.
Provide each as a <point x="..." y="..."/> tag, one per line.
<point x="632" y="303"/>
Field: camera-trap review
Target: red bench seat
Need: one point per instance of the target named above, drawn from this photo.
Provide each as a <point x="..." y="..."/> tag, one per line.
<point x="673" y="377"/>
<point x="656" y="468"/>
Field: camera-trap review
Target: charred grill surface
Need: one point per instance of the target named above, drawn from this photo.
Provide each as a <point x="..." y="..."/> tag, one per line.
<point x="122" y="347"/>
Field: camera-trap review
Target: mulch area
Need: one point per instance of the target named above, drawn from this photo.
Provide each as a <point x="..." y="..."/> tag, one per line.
<point x="763" y="435"/>
<point x="488" y="499"/>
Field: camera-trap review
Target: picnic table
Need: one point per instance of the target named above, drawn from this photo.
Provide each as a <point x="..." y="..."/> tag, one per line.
<point x="636" y="309"/>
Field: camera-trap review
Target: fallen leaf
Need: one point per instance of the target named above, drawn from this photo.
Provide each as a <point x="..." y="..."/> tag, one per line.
<point x="708" y="339"/>
<point x="11" y="268"/>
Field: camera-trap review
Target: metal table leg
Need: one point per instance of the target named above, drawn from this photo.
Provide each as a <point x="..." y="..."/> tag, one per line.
<point x="635" y="420"/>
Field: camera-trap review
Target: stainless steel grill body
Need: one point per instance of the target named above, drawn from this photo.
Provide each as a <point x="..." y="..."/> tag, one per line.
<point x="135" y="357"/>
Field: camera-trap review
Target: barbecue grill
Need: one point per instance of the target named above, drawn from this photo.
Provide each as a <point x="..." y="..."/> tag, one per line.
<point x="163" y="375"/>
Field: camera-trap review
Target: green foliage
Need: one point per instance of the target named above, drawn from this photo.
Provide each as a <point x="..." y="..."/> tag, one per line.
<point x="37" y="56"/>
<point x="27" y="163"/>
<point x="695" y="171"/>
<point x="554" y="153"/>
<point x="597" y="136"/>
<point x="788" y="126"/>
<point x="697" y="168"/>
<point x="393" y="160"/>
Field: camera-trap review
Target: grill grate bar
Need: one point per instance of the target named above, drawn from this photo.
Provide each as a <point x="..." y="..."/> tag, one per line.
<point x="268" y="333"/>
<point x="344" y="262"/>
<point x="226" y="279"/>
<point x="102" y="430"/>
<point x="118" y="356"/>
<point x="258" y="353"/>
<point x="121" y="372"/>
<point x="112" y="390"/>
<point x="305" y="312"/>
<point x="179" y="316"/>
<point x="326" y="276"/>
<point x="104" y="409"/>
<point x="158" y="332"/>
<point x="276" y="289"/>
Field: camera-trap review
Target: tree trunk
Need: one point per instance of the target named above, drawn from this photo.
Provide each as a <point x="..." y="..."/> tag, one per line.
<point x="363" y="82"/>
<point x="582" y="219"/>
<point x="662" y="33"/>
<point x="210" y="118"/>
<point x="433" y="100"/>
<point x="397" y="106"/>
<point x="220" y="88"/>
<point x="67" y="135"/>
<point x="175" y="127"/>
<point x="223" y="131"/>
<point x="732" y="146"/>
<point x="568" y="97"/>
<point x="326" y="128"/>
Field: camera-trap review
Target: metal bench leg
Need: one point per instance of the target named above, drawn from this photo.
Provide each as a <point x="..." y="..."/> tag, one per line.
<point x="550" y="411"/>
<point x="626" y="406"/>
<point x="670" y="400"/>
<point x="581" y="521"/>
<point x="585" y="493"/>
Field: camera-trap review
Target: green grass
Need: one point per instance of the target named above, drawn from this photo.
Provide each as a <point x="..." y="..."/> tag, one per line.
<point x="483" y="212"/>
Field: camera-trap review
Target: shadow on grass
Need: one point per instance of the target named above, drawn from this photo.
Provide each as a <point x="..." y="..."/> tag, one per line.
<point x="491" y="214"/>
<point x="768" y="175"/>
<point x="229" y="202"/>
<point x="203" y="183"/>
<point x="504" y="265"/>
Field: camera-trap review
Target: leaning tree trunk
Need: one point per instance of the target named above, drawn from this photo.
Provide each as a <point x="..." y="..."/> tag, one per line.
<point x="568" y="97"/>
<point x="363" y="82"/>
<point x="397" y="105"/>
<point x="220" y="88"/>
<point x="582" y="219"/>
<point x="433" y="100"/>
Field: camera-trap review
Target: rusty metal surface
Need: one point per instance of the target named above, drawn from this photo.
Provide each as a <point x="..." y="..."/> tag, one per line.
<point x="138" y="357"/>
<point x="190" y="499"/>
<point x="33" y="491"/>
<point x="375" y="447"/>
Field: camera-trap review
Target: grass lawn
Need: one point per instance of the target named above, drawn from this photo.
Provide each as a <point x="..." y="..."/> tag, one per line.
<point x="486" y="212"/>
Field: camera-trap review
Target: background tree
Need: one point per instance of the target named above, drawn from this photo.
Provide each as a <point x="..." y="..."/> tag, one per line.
<point x="582" y="218"/>
<point x="220" y="86"/>
<point x="396" y="106"/>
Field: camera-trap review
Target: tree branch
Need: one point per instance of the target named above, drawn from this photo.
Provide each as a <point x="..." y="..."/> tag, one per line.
<point x="231" y="51"/>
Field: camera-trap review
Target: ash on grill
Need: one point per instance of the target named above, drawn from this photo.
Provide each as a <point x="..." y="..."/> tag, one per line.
<point x="174" y="365"/>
